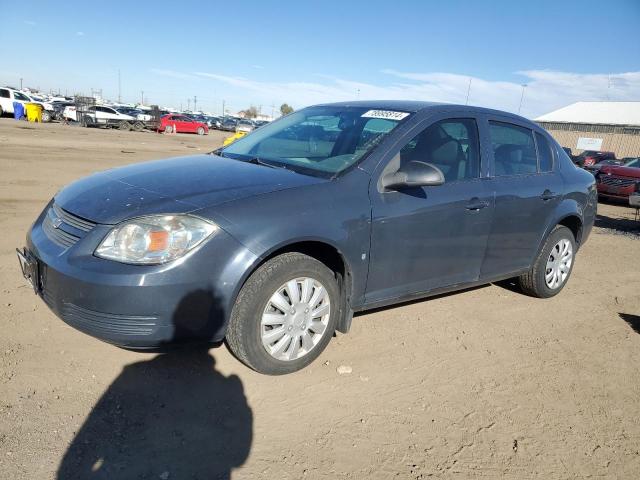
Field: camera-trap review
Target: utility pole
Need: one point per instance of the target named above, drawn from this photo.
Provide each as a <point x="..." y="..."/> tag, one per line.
<point x="188" y="104"/>
<point x="20" y="83"/>
<point x="468" y="91"/>
<point x="142" y="97"/>
<point x="195" y="101"/>
<point x="524" y="85"/>
<point x="223" y="109"/>
<point x="119" y="88"/>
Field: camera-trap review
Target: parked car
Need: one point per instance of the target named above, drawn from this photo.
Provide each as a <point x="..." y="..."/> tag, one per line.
<point x="214" y="122"/>
<point x="596" y="168"/>
<point x="568" y="151"/>
<point x="590" y="157"/>
<point x="182" y="124"/>
<point x="228" y="124"/>
<point x="618" y="181"/>
<point x="9" y="95"/>
<point x="135" y="113"/>
<point x="272" y="243"/>
<point x="97" y="115"/>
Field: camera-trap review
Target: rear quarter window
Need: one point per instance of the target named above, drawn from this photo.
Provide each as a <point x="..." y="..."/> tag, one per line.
<point x="545" y="155"/>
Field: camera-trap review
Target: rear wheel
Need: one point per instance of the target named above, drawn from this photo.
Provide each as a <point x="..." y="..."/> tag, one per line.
<point x="87" y="121"/>
<point x="168" y="129"/>
<point x="553" y="265"/>
<point x="46" y="116"/>
<point x="200" y="130"/>
<point x="285" y="314"/>
<point x="124" y="125"/>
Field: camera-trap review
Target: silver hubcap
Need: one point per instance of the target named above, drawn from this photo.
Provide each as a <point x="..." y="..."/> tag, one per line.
<point x="558" y="264"/>
<point x="295" y="318"/>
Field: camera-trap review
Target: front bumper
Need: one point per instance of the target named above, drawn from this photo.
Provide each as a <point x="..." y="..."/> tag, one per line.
<point x="139" y="306"/>
<point x="615" y="191"/>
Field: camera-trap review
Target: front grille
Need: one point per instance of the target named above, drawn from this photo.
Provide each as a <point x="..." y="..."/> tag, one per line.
<point x="64" y="228"/>
<point x="69" y="219"/>
<point x="615" y="181"/>
<point x="97" y="323"/>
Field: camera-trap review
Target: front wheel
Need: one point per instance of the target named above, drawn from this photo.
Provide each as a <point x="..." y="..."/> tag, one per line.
<point x="168" y="129"/>
<point x="553" y="265"/>
<point x="46" y="116"/>
<point x="285" y="314"/>
<point x="200" y="130"/>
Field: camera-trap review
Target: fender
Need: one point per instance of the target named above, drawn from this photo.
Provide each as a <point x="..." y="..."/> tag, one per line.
<point x="568" y="207"/>
<point x="308" y="245"/>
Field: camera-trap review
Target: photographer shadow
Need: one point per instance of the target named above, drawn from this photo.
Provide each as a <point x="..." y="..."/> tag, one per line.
<point x="171" y="417"/>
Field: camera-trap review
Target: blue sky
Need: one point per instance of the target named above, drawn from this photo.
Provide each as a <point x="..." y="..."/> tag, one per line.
<point x="267" y="52"/>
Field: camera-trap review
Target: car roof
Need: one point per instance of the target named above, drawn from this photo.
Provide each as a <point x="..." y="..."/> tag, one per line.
<point x="415" y="106"/>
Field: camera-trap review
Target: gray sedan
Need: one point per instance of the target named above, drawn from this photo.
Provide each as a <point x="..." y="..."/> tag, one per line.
<point x="272" y="243"/>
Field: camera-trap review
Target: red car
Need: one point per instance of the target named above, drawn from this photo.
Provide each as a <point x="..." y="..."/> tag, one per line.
<point x="618" y="181"/>
<point x="591" y="157"/>
<point x="182" y="124"/>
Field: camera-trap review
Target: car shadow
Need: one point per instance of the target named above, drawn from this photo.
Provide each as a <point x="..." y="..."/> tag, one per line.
<point x="632" y="320"/>
<point x="628" y="226"/>
<point x="172" y="417"/>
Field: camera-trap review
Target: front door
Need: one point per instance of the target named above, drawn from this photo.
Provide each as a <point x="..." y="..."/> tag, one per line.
<point x="431" y="237"/>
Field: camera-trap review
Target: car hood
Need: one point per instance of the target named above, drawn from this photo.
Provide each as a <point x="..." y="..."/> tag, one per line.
<point x="177" y="185"/>
<point x="620" y="170"/>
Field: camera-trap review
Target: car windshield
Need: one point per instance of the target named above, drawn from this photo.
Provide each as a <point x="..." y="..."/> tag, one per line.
<point x="320" y="141"/>
<point x="633" y="163"/>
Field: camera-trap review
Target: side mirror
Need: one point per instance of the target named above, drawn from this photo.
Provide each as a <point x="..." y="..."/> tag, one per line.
<point x="414" y="174"/>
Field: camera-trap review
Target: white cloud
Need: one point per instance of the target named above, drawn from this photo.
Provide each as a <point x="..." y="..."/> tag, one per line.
<point x="31" y="23"/>
<point x="80" y="34"/>
<point x="545" y="90"/>
<point x="172" y="74"/>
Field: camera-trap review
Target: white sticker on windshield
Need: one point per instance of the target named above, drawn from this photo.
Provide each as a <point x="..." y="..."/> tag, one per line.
<point x="387" y="114"/>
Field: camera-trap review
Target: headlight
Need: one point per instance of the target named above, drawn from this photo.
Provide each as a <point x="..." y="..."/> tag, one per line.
<point x="155" y="239"/>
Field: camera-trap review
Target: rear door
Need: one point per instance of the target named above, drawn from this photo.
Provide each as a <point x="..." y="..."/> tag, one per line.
<point x="527" y="190"/>
<point x="430" y="237"/>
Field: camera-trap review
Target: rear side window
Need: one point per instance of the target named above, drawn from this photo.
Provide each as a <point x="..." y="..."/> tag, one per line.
<point x="545" y="157"/>
<point x="514" y="150"/>
<point x="4" y="93"/>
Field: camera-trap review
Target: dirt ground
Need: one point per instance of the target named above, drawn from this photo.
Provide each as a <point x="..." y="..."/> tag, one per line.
<point x="486" y="383"/>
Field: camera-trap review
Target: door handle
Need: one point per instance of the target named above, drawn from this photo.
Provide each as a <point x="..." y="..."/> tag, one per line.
<point x="548" y="195"/>
<point x="476" y="204"/>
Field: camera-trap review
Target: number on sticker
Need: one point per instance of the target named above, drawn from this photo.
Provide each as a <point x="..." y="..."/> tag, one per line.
<point x="386" y="114"/>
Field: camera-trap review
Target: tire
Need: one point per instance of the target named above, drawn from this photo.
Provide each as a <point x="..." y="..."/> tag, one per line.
<point x="138" y="126"/>
<point x="536" y="282"/>
<point x="200" y="130"/>
<point x="124" y="126"/>
<point x="1" y="112"/>
<point x="244" y="336"/>
<point x="168" y="129"/>
<point x="88" y="121"/>
<point x="46" y="116"/>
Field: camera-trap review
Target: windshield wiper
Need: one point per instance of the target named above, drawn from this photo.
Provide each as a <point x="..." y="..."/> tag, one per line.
<point x="259" y="161"/>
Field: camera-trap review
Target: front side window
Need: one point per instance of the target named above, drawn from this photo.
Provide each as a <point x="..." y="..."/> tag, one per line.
<point x="20" y="96"/>
<point x="321" y="141"/>
<point x="545" y="157"/>
<point x="451" y="145"/>
<point x="514" y="150"/>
